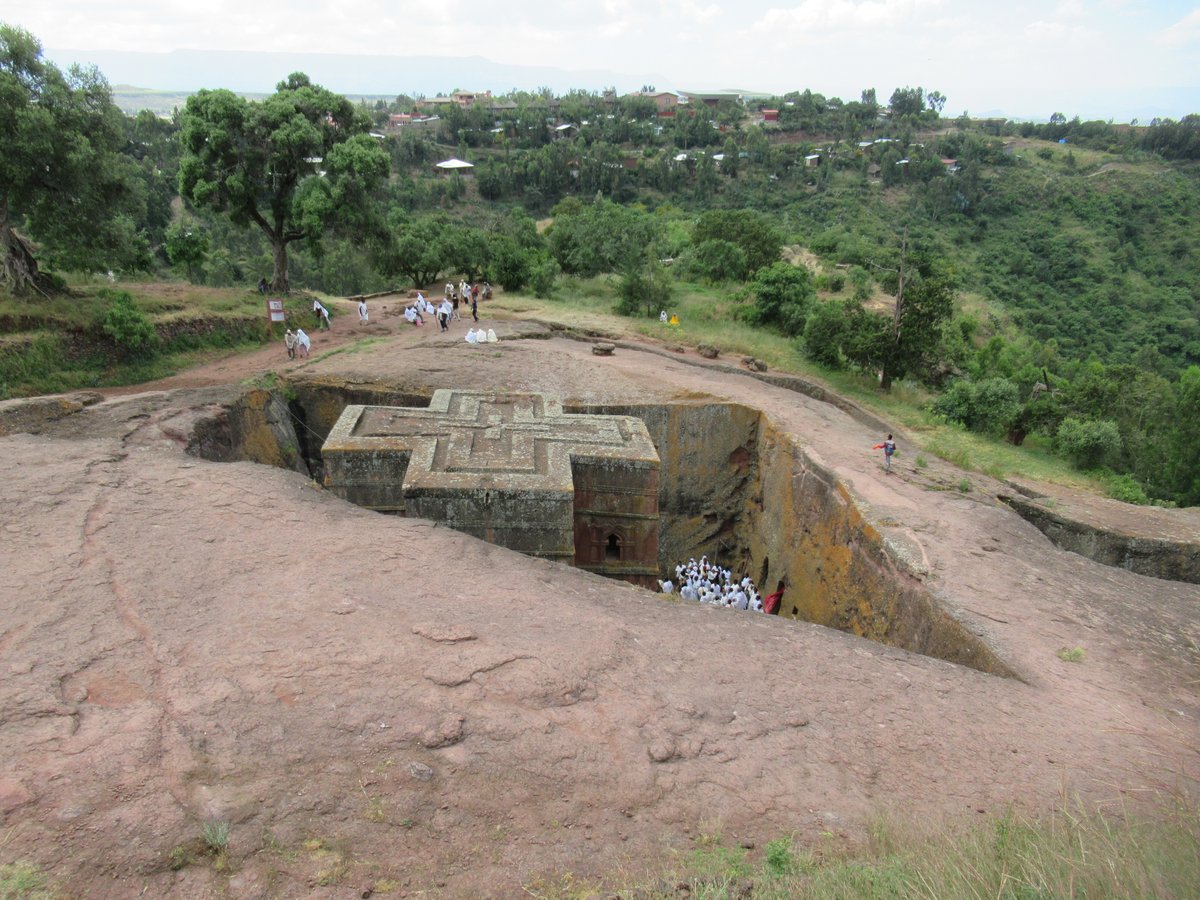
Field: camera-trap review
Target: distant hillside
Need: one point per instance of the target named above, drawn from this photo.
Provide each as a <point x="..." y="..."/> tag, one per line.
<point x="132" y="100"/>
<point x="183" y="71"/>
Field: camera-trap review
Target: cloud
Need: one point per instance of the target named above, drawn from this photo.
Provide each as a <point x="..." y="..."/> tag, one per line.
<point x="1069" y="9"/>
<point x="1042" y="30"/>
<point x="694" y="12"/>
<point x="832" y="15"/>
<point x="1185" y="31"/>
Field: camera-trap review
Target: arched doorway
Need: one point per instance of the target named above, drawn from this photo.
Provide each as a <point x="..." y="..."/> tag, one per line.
<point x="612" y="548"/>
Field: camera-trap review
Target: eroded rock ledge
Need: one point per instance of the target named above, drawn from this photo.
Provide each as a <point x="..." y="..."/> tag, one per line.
<point x="1151" y="550"/>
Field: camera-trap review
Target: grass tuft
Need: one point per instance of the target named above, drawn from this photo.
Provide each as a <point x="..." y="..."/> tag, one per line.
<point x="1071" y="654"/>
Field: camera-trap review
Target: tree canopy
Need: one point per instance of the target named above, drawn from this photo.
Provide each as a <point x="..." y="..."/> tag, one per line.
<point x="296" y="164"/>
<point x="63" y="183"/>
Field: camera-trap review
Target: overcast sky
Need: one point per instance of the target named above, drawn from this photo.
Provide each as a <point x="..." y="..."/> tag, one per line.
<point x="1097" y="58"/>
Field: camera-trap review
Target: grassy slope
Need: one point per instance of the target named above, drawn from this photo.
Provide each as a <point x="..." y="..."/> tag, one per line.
<point x="57" y="344"/>
<point x="707" y="317"/>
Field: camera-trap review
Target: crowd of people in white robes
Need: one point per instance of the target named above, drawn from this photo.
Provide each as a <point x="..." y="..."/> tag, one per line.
<point x="706" y="582"/>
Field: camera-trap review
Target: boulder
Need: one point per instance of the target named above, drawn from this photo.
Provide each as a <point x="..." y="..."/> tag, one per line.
<point x="708" y="351"/>
<point x="603" y="349"/>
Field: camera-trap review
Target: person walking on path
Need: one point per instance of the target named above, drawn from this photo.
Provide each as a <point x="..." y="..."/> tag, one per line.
<point x="322" y="315"/>
<point x="889" y="450"/>
<point x="475" y="304"/>
<point x="362" y="310"/>
<point x="444" y="313"/>
<point x="289" y="341"/>
<point x="302" y="341"/>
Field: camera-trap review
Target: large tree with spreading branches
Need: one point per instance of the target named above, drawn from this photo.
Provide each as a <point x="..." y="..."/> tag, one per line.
<point x="296" y="165"/>
<point x="67" y="196"/>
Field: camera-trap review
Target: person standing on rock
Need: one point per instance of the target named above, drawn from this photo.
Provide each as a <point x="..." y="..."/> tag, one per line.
<point x="889" y="450"/>
<point x="289" y="341"/>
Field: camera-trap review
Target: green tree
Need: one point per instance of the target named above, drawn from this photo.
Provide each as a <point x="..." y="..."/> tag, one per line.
<point x="924" y="293"/>
<point x="63" y="179"/>
<point x="1185" y="439"/>
<point x="715" y="261"/>
<point x="1088" y="443"/>
<point x="187" y="246"/>
<point x="747" y="228"/>
<point x="824" y="333"/>
<point x="645" y="288"/>
<point x="417" y="249"/>
<point x="990" y="406"/>
<point x="907" y="103"/>
<point x="294" y="165"/>
<point x="602" y="236"/>
<point x="783" y="296"/>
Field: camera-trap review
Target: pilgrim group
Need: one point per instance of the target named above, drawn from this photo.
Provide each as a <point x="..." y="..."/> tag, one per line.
<point x="706" y="582"/>
<point x="298" y="342"/>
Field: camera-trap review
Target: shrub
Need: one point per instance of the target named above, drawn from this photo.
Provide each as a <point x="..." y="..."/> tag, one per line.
<point x="1088" y="443"/>
<point x="824" y="330"/>
<point x="128" y="327"/>
<point x="544" y="276"/>
<point x="779" y="858"/>
<point x="989" y="406"/>
<point x="644" y="290"/>
<point x="783" y="295"/>
<point x="715" y="261"/>
<point x="1126" y="489"/>
<point x="510" y="266"/>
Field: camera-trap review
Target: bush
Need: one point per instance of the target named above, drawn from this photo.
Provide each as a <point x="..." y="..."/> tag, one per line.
<point x="644" y="290"/>
<point x="989" y="406"/>
<point x="715" y="261"/>
<point x="823" y="333"/>
<point x="783" y="295"/>
<point x="749" y="229"/>
<point x="1088" y="443"/>
<point x="1126" y="489"/>
<point x="544" y="276"/>
<point x="510" y="266"/>
<point x="130" y="330"/>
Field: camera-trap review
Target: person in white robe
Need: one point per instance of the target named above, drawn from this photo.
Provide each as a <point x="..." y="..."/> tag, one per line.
<point x="303" y="341"/>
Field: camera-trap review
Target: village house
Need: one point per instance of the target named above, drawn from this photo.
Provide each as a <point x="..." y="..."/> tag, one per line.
<point x="664" y="101"/>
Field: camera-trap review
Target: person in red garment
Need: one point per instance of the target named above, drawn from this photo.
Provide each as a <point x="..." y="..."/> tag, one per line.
<point x="771" y="602"/>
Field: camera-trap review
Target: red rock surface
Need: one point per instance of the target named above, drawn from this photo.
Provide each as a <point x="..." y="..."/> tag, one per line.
<point x="369" y="699"/>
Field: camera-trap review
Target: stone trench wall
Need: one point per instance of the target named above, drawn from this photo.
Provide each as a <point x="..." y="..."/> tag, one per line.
<point x="257" y="427"/>
<point x="806" y="529"/>
<point x="737" y="489"/>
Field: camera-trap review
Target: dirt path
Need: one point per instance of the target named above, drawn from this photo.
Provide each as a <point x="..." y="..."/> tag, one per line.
<point x="386" y="320"/>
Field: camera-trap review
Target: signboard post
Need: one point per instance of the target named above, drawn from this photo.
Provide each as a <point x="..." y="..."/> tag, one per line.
<point x="275" y="314"/>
